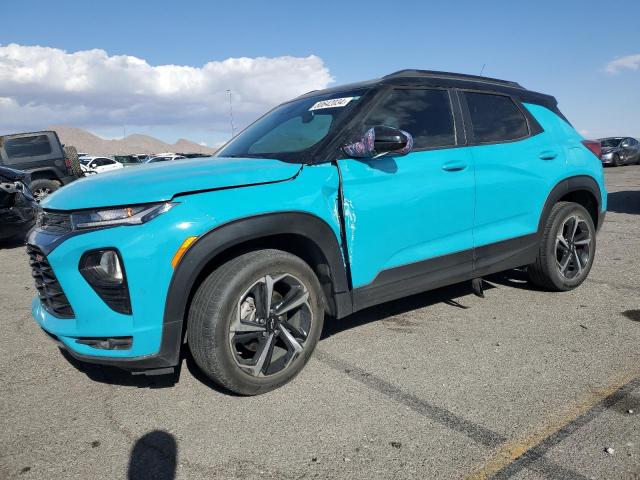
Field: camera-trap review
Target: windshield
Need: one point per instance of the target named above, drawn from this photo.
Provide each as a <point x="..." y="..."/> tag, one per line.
<point x="293" y="131"/>
<point x="610" y="142"/>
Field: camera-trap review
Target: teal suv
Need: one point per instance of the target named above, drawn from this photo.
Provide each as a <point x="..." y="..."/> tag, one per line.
<point x="333" y="202"/>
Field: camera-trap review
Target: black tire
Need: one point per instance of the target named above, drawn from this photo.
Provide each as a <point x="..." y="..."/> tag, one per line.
<point x="43" y="187"/>
<point x="72" y="162"/>
<point x="545" y="272"/>
<point x="616" y="161"/>
<point x="217" y="303"/>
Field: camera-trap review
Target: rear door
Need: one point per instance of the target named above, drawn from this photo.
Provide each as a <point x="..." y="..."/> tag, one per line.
<point x="409" y="219"/>
<point x="516" y="164"/>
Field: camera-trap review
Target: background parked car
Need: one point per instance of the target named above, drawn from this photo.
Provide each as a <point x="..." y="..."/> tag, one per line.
<point x="618" y="151"/>
<point x="17" y="205"/>
<point x="128" y="160"/>
<point x="164" y="158"/>
<point x="49" y="163"/>
<point x="99" y="164"/>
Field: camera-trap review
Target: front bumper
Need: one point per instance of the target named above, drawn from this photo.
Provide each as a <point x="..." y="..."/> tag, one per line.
<point x="146" y="254"/>
<point x="607" y="158"/>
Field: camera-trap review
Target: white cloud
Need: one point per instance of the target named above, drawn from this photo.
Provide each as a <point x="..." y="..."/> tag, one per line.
<point x="631" y="62"/>
<point x="41" y="86"/>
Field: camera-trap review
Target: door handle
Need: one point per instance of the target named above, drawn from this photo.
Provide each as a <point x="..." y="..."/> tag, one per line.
<point x="548" y="155"/>
<point x="454" y="166"/>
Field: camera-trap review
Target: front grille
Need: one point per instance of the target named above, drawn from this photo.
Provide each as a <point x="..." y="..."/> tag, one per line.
<point x="54" y="222"/>
<point x="49" y="290"/>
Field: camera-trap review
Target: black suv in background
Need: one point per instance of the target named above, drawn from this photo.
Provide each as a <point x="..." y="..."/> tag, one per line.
<point x="41" y="154"/>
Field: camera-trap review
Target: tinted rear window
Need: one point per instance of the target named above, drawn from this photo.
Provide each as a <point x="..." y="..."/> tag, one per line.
<point x="495" y="118"/>
<point x="425" y="114"/>
<point x="26" y="147"/>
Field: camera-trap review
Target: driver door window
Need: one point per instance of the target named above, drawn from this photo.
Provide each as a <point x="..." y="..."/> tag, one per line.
<point x="426" y="114"/>
<point x="412" y="214"/>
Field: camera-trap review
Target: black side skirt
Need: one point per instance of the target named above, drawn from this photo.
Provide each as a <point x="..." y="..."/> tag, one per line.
<point x="438" y="272"/>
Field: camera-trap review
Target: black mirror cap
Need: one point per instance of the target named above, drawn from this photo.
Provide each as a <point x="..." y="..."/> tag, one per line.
<point x="380" y="140"/>
<point x="389" y="139"/>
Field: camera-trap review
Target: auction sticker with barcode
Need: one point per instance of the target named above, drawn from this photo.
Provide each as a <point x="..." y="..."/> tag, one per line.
<point x="333" y="103"/>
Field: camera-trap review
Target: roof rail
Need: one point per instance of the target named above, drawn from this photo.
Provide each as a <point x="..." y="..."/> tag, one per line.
<point x="450" y="75"/>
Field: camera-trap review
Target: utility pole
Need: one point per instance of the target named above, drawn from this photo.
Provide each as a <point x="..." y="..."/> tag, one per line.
<point x="233" y="132"/>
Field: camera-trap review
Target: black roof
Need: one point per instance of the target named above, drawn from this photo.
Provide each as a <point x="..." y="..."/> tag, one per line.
<point x="449" y="76"/>
<point x="412" y="77"/>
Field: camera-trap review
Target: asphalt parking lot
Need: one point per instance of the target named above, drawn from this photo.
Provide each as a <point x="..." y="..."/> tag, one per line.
<point x="522" y="384"/>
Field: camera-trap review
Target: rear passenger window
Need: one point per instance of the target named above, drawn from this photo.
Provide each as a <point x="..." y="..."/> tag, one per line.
<point x="26" y="147"/>
<point x="495" y="118"/>
<point x="425" y="114"/>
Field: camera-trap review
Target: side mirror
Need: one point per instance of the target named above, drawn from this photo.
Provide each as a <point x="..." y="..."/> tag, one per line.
<point x="380" y="140"/>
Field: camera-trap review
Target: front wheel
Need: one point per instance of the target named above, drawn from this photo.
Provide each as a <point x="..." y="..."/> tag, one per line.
<point x="616" y="161"/>
<point x="42" y="188"/>
<point x="567" y="248"/>
<point x="255" y="321"/>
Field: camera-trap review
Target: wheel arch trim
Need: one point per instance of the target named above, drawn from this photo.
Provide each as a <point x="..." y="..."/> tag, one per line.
<point x="228" y="235"/>
<point x="566" y="186"/>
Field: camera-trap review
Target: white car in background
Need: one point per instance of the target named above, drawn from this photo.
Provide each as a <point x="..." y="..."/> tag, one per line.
<point x="164" y="158"/>
<point x="91" y="165"/>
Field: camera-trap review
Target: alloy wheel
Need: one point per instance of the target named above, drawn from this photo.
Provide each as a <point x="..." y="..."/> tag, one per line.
<point x="271" y="324"/>
<point x="573" y="247"/>
<point x="41" y="193"/>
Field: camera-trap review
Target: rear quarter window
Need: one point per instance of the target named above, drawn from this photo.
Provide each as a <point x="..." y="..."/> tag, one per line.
<point x="495" y="118"/>
<point x="24" y="149"/>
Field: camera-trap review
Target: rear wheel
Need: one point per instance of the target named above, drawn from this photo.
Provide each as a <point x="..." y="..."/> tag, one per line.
<point x="42" y="188"/>
<point x="255" y="321"/>
<point x="566" y="250"/>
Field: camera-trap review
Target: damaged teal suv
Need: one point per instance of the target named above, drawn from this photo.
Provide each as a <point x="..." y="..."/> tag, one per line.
<point x="333" y="202"/>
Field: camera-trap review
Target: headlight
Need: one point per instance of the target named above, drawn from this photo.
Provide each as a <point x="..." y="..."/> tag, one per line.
<point x="119" y="216"/>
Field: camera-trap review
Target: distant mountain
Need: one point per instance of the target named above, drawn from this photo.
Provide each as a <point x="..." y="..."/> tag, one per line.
<point x="92" y="144"/>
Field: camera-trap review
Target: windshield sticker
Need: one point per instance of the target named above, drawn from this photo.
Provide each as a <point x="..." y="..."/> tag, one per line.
<point x="333" y="103"/>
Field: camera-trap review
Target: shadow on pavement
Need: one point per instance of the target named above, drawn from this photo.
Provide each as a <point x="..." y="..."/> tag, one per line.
<point x="397" y="307"/>
<point x="516" y="278"/>
<point x="116" y="376"/>
<point x="154" y="456"/>
<point x="446" y="295"/>
<point x="626" y="201"/>
<point x="8" y="244"/>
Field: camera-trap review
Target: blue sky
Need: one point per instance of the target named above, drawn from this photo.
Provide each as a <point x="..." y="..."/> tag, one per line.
<point x="559" y="47"/>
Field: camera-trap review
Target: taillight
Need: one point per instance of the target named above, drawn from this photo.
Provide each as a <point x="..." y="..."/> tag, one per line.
<point x="593" y="146"/>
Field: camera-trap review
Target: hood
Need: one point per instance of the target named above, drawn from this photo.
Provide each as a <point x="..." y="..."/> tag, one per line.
<point x="609" y="149"/>
<point x="11" y="175"/>
<point x="162" y="181"/>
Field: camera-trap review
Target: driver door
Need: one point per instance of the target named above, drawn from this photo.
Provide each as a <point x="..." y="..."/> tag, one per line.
<point x="409" y="219"/>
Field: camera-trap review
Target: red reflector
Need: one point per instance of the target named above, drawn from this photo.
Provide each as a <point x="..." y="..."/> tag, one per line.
<point x="593" y="146"/>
